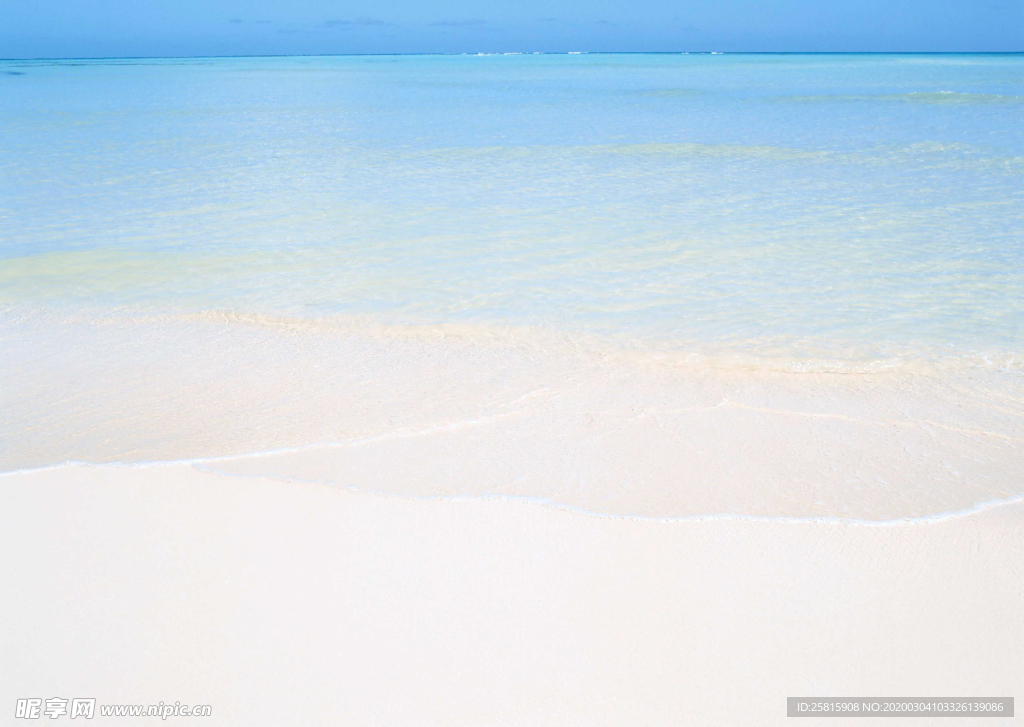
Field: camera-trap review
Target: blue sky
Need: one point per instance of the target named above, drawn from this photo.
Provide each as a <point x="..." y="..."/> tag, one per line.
<point x="97" y="28"/>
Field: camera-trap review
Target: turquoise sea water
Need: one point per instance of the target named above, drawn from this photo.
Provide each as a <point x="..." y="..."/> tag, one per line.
<point x="859" y="207"/>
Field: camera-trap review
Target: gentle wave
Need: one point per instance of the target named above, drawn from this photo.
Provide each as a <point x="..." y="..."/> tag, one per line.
<point x="791" y="355"/>
<point x="768" y="353"/>
<point x="952" y="98"/>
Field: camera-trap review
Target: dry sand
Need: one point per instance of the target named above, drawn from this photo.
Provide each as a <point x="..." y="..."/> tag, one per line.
<point x="281" y="604"/>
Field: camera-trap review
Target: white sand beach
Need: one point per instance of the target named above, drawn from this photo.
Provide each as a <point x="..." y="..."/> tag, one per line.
<point x="320" y="525"/>
<point x="281" y="603"/>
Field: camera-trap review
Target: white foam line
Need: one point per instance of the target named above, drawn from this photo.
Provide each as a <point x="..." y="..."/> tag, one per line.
<point x="450" y="426"/>
<point x="874" y="422"/>
<point x="202" y="465"/>
<point x="976" y="508"/>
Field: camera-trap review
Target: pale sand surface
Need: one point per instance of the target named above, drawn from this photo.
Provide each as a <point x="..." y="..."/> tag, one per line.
<point x="281" y="603"/>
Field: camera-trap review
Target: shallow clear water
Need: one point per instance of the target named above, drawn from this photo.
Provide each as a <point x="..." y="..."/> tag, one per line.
<point x="853" y="207"/>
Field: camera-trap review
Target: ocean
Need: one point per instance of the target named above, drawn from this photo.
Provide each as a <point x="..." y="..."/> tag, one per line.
<point x="853" y="207"/>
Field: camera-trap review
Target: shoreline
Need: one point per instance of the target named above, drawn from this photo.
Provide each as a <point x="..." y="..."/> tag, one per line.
<point x="429" y="414"/>
<point x="197" y="465"/>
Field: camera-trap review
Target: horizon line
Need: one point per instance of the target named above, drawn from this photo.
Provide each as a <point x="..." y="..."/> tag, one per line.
<point x="490" y="53"/>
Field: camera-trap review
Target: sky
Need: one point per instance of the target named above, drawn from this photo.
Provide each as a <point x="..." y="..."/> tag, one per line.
<point x="132" y="28"/>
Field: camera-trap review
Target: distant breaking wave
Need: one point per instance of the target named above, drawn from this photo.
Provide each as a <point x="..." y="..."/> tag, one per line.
<point x="924" y="97"/>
